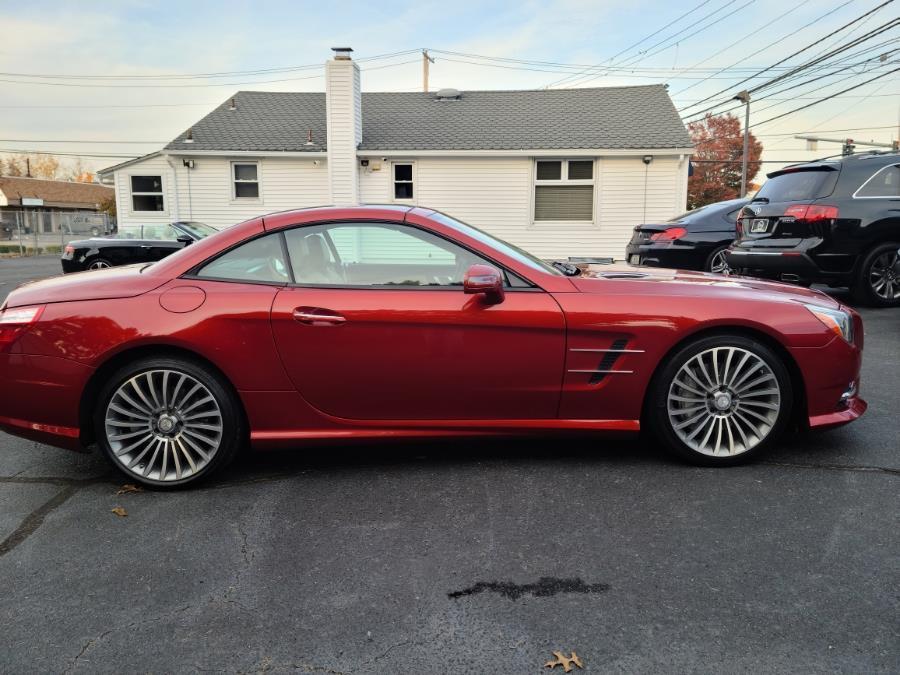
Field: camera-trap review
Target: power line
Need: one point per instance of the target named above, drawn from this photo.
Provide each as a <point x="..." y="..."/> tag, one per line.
<point x="13" y="151"/>
<point x="696" y="31"/>
<point x="768" y="46"/>
<point x="810" y="105"/>
<point x="629" y="48"/>
<point x="179" y="76"/>
<point x="193" y="86"/>
<point x="796" y="53"/>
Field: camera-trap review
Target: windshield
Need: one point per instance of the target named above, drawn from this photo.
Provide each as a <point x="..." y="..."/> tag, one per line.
<point x="798" y="186"/>
<point x="504" y="247"/>
<point x="197" y="229"/>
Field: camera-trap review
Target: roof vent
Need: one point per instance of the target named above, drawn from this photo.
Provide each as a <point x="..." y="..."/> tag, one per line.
<point x="448" y="95"/>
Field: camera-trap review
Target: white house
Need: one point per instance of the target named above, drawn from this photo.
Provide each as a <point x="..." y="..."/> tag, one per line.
<point x="558" y="172"/>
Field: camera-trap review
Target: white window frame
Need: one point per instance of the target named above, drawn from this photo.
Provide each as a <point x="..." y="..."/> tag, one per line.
<point x="233" y="180"/>
<point x="564" y="180"/>
<point x="856" y="194"/>
<point x="161" y="193"/>
<point x="414" y="182"/>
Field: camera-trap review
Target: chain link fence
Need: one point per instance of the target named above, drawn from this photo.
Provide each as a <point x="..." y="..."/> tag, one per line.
<point x="33" y="232"/>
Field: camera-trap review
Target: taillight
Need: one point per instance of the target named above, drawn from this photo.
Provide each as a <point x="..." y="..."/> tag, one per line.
<point x="671" y="234"/>
<point x="14" y="322"/>
<point x="811" y="213"/>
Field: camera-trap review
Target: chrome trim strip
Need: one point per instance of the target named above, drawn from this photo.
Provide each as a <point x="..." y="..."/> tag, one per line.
<point x="603" y="372"/>
<point x="616" y="351"/>
<point x="732" y="252"/>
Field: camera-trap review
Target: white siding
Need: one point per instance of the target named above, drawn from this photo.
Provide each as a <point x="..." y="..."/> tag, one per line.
<point x="624" y="201"/>
<point x="154" y="166"/>
<point x="491" y="193"/>
<point x="344" y="128"/>
<point x="496" y="194"/>
<point x="289" y="183"/>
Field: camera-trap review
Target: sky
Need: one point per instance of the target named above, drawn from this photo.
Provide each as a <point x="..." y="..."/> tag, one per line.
<point x="130" y="43"/>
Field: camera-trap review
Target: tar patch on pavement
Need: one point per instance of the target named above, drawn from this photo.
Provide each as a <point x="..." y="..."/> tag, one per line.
<point x="544" y="587"/>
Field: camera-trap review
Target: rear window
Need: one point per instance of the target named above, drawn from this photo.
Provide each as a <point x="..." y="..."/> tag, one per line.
<point x="798" y="186"/>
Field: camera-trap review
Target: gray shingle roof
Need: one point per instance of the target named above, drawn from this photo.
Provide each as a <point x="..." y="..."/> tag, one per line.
<point x="604" y="118"/>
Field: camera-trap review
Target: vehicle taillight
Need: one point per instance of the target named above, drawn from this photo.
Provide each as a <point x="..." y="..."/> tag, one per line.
<point x="14" y="322"/>
<point x="812" y="212"/>
<point x="671" y="234"/>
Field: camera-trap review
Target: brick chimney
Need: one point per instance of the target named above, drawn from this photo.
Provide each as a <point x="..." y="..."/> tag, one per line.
<point x="343" y="112"/>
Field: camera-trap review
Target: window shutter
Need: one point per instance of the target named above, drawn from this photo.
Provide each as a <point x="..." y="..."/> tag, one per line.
<point x="564" y="202"/>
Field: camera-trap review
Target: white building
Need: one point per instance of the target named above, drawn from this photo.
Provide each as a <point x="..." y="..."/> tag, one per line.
<point x="561" y="173"/>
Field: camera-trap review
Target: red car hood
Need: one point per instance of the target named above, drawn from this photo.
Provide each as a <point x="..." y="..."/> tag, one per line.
<point x="596" y="278"/>
<point x="115" y="282"/>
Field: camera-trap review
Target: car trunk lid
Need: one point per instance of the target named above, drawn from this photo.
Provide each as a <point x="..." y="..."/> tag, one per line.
<point x="791" y="206"/>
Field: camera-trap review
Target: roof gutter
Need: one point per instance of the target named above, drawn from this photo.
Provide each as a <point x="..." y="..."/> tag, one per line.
<point x="554" y="152"/>
<point x="244" y="153"/>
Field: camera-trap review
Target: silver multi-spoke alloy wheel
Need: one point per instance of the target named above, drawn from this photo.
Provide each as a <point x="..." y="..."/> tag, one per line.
<point x="724" y="401"/>
<point x="884" y="276"/>
<point x="718" y="264"/>
<point x="99" y="265"/>
<point x="163" y="425"/>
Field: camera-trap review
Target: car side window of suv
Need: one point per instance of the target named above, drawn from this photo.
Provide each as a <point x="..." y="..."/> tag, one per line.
<point x="260" y="260"/>
<point x="376" y="254"/>
<point x="883" y="183"/>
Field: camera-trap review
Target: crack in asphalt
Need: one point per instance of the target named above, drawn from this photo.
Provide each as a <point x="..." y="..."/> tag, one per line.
<point x="833" y="467"/>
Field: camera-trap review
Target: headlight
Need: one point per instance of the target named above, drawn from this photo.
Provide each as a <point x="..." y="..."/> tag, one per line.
<point x="837" y="320"/>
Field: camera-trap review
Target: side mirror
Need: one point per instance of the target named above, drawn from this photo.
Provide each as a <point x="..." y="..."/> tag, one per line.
<point x="486" y="280"/>
<point x="185" y="239"/>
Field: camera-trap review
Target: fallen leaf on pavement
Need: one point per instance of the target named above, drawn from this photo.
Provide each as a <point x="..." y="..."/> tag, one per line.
<point x="564" y="661"/>
<point x="128" y="487"/>
<point x="119" y="511"/>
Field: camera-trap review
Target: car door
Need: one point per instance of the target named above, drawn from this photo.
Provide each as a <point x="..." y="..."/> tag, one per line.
<point x="376" y="326"/>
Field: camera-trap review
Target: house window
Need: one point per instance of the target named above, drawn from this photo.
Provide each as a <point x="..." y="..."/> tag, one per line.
<point x="403" y="181"/>
<point x="147" y="193"/>
<point x="564" y="190"/>
<point x="245" y="177"/>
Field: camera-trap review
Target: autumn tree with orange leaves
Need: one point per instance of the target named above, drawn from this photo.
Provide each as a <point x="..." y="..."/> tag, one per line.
<point x="719" y="138"/>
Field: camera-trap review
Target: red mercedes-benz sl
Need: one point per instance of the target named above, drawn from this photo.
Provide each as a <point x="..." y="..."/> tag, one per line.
<point x="388" y="321"/>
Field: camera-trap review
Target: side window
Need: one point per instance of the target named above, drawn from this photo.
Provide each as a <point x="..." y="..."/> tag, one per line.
<point x="375" y="254"/>
<point x="147" y="194"/>
<point x="245" y="180"/>
<point x="160" y="232"/>
<point x="260" y="260"/>
<point x="885" y="183"/>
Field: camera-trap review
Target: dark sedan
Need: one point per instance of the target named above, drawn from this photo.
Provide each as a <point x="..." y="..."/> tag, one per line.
<point x="695" y="240"/>
<point x="132" y="244"/>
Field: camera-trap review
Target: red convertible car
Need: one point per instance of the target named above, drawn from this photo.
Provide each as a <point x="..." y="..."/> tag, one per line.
<point x="388" y="321"/>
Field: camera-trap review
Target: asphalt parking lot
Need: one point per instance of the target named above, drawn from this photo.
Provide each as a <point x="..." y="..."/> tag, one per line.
<point x="464" y="556"/>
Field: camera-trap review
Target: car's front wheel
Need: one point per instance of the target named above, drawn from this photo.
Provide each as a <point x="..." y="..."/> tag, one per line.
<point x="168" y="422"/>
<point x="720" y="400"/>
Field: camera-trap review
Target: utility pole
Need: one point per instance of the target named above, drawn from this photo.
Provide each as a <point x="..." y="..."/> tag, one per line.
<point x="426" y="59"/>
<point x="744" y="97"/>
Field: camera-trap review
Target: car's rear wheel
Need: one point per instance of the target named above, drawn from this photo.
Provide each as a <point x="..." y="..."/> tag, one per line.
<point x="878" y="279"/>
<point x="721" y="400"/>
<point x="168" y="422"/>
<point x="717" y="263"/>
<point x="98" y="264"/>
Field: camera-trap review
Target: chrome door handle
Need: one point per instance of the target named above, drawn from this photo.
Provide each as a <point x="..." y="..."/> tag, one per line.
<point x="316" y="316"/>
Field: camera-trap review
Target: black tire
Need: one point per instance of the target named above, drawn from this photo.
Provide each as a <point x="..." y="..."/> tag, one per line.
<point x="658" y="409"/>
<point x="233" y="428"/>
<point x="97" y="263"/>
<point x="708" y="265"/>
<point x="863" y="286"/>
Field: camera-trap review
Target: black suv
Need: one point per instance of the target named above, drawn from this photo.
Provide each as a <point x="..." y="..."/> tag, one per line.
<point x="832" y="221"/>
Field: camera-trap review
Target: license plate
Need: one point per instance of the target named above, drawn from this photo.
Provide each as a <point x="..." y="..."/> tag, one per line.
<point x="635" y="260"/>
<point x="759" y="225"/>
